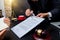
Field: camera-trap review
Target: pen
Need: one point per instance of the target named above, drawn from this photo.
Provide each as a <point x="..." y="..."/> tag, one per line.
<point x="32" y="13"/>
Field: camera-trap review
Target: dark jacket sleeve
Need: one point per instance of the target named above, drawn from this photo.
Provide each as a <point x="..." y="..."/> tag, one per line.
<point x="56" y="9"/>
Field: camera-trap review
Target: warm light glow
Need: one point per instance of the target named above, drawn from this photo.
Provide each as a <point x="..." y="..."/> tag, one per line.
<point x="14" y="3"/>
<point x="39" y="31"/>
<point x="8" y="7"/>
<point x="10" y="1"/>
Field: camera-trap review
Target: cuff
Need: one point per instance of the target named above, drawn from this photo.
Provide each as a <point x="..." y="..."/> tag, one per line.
<point x="50" y="15"/>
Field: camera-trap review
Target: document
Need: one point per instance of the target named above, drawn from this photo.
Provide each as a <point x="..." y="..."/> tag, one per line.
<point x="27" y="25"/>
<point x="2" y="24"/>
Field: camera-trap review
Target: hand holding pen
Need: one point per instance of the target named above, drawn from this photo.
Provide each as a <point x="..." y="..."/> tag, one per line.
<point x="29" y="12"/>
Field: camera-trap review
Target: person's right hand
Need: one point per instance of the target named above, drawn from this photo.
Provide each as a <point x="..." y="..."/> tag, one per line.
<point x="43" y="15"/>
<point x="28" y="12"/>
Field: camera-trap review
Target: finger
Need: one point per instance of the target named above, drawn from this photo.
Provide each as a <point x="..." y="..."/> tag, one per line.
<point x="31" y="11"/>
<point x="2" y="34"/>
<point x="3" y="31"/>
<point x="41" y="16"/>
<point x="38" y="15"/>
<point x="7" y="21"/>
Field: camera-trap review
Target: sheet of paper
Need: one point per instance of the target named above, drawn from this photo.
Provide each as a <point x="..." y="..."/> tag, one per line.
<point x="2" y="24"/>
<point x="24" y="27"/>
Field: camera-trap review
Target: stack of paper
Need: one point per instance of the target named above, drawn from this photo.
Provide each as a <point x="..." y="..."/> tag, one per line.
<point x="27" y="25"/>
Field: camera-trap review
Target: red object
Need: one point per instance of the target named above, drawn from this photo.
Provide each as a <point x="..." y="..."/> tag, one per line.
<point x="21" y="17"/>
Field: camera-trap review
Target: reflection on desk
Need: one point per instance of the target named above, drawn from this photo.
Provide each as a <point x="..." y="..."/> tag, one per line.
<point x="56" y="24"/>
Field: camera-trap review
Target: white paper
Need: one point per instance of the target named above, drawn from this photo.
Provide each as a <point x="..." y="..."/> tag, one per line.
<point x="24" y="27"/>
<point x="2" y="24"/>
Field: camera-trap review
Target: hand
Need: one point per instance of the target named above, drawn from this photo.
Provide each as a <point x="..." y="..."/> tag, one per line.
<point x="28" y="12"/>
<point x="42" y="15"/>
<point x="2" y="34"/>
<point x="7" y="21"/>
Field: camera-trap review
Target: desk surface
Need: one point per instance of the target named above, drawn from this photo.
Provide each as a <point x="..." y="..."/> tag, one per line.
<point x="54" y="34"/>
<point x="57" y="24"/>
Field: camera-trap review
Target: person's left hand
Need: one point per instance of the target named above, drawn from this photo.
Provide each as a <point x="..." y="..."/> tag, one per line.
<point x="3" y="32"/>
<point x="42" y="15"/>
<point x="7" y="21"/>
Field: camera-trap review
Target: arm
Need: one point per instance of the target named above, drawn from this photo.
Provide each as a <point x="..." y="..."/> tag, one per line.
<point x="3" y="32"/>
<point x="55" y="12"/>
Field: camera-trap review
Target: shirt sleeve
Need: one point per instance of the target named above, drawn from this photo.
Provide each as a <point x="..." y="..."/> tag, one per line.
<point x="49" y="15"/>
